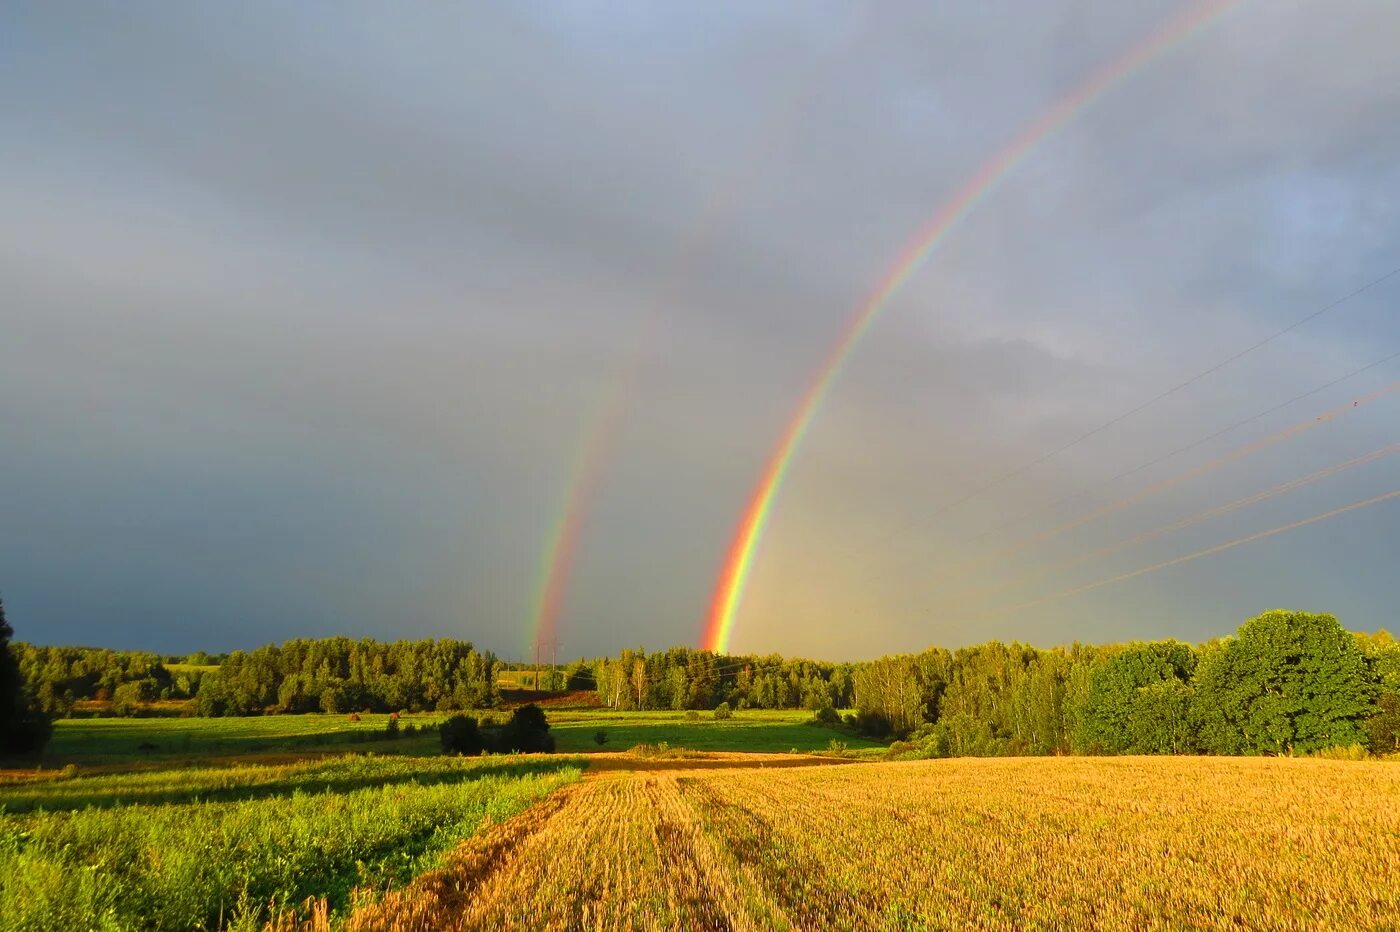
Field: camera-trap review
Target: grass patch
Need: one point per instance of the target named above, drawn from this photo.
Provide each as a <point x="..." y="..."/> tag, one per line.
<point x="108" y="741"/>
<point x="752" y="730"/>
<point x="295" y="832"/>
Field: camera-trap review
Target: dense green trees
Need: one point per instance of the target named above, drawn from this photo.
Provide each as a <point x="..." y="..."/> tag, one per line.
<point x="684" y="678"/>
<point x="24" y="726"/>
<point x="342" y="675"/>
<point x="325" y="675"/>
<point x="1287" y="681"/>
<point x="1138" y="701"/>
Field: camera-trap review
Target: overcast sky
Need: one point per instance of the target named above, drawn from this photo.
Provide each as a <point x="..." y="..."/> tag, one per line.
<point x="306" y="311"/>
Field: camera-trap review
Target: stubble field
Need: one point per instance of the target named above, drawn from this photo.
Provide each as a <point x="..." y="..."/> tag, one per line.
<point x="991" y="844"/>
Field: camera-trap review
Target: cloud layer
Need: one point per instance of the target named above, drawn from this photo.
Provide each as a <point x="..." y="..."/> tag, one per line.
<point x="306" y="310"/>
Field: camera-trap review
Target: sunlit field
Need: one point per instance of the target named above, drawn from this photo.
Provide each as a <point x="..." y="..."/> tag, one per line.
<point x="758" y="730"/>
<point x="972" y="843"/>
<point x="151" y="742"/>
<point x="233" y="846"/>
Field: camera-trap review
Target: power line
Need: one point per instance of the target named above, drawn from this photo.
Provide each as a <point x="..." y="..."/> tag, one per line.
<point x="1192" y="445"/>
<point x="1209" y="551"/>
<point x="1233" y="456"/>
<point x="1203" y="516"/>
<point x="1020" y="470"/>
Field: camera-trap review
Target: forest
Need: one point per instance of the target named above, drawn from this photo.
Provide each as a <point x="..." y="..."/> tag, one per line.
<point x="1285" y="682"/>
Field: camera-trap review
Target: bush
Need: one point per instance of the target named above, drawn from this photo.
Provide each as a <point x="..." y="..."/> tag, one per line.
<point x="722" y="712"/>
<point x="391" y="728"/>
<point x="692" y="716"/>
<point x="527" y="732"/>
<point x="873" y="725"/>
<point x="600" y="737"/>
<point x="826" y="715"/>
<point x="460" y="735"/>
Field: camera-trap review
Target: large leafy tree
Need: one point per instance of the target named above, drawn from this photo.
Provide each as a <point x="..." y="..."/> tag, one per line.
<point x="1288" y="681"/>
<point x="1138" y="701"/>
<point x="23" y="727"/>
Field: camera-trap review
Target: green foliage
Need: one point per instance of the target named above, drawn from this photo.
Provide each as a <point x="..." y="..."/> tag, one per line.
<point x="1383" y="728"/>
<point x="1138" y="701"/>
<point x="527" y="732"/>
<point x="460" y="735"/>
<point x="1288" y="681"/>
<point x="722" y="712"/>
<point x="24" y="726"/>
<point x="600" y="737"/>
<point x="682" y="678"/>
<point x="188" y="864"/>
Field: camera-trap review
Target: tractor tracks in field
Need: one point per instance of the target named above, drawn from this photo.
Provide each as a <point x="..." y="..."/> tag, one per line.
<point x="627" y="849"/>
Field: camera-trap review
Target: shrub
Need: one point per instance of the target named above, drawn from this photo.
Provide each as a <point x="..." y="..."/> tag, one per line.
<point x="527" y="732"/>
<point x="722" y="711"/>
<point x="460" y="735"/>
<point x="391" y="727"/>
<point x="600" y="737"/>
<point x="692" y="716"/>
<point x="826" y="715"/>
<point x="873" y="725"/>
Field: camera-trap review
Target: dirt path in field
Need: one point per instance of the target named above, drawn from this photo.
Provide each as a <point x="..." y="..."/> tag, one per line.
<point x="625" y="849"/>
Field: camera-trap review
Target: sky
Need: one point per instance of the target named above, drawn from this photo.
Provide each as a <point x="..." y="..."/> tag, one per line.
<point x="306" y="312"/>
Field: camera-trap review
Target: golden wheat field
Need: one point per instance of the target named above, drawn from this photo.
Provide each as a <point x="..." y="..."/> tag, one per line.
<point x="989" y="843"/>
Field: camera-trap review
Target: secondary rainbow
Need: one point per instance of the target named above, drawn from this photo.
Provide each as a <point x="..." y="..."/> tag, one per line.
<point x="561" y="545"/>
<point x="738" y="562"/>
<point x="603" y="426"/>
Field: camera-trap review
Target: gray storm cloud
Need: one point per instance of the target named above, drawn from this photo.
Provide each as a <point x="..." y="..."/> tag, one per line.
<point x="305" y="310"/>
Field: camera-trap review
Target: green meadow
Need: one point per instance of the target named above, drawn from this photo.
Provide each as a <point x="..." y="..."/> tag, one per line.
<point x="159" y="742"/>
<point x="230" y="847"/>
<point x="751" y="730"/>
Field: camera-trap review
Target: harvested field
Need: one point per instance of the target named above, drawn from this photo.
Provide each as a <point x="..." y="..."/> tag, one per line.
<point x="992" y="844"/>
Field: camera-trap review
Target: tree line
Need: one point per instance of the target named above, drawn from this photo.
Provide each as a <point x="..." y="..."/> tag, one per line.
<point x="303" y="675"/>
<point x="1286" y="681"/>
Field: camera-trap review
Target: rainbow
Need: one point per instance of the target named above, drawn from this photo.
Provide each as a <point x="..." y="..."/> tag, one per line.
<point x="738" y="562"/>
<point x="602" y="427"/>
<point x="586" y="475"/>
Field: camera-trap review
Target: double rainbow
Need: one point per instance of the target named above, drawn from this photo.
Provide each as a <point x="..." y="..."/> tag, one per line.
<point x="739" y="561"/>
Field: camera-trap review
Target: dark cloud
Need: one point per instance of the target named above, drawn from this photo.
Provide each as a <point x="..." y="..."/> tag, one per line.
<point x="308" y="312"/>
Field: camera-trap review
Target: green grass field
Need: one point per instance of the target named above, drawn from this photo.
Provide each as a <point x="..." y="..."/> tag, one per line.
<point x="110" y="741"/>
<point x="753" y="730"/>
<point x="187" y="849"/>
<point x="161" y="742"/>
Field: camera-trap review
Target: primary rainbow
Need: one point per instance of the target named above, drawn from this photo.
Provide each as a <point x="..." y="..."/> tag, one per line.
<point x="739" y="561"/>
<point x="604" y="424"/>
